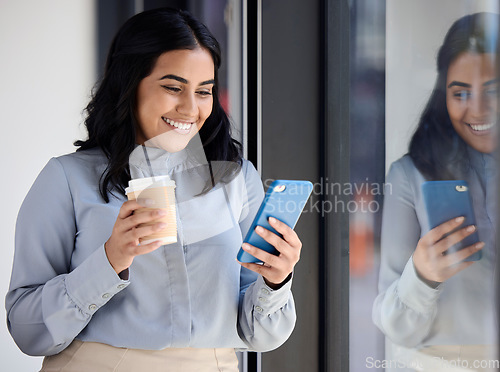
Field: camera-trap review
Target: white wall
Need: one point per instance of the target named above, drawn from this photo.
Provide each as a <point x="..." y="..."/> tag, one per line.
<point x="415" y="30"/>
<point x="47" y="69"/>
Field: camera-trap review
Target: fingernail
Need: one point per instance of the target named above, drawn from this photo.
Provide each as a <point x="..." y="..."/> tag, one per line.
<point x="471" y="228"/>
<point x="272" y="219"/>
<point x="459" y="219"/>
<point x="479" y="245"/>
<point x="245" y="247"/>
<point x="259" y="229"/>
<point x="161" y="212"/>
<point x="149" y="202"/>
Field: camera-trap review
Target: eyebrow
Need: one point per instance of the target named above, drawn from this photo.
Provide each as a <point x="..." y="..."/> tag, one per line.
<point x="465" y="85"/>
<point x="184" y="81"/>
<point x="493" y="81"/>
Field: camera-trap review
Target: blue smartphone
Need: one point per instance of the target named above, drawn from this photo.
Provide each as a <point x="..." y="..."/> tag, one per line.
<point x="284" y="200"/>
<point x="445" y="200"/>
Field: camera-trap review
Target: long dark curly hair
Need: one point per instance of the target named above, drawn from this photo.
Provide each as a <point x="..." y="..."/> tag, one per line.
<point x="110" y="120"/>
<point x="435" y="148"/>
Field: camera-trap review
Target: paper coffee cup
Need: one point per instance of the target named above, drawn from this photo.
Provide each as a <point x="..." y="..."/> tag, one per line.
<point x="161" y="190"/>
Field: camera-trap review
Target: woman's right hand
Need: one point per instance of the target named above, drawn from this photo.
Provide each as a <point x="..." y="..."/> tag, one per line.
<point x="123" y="245"/>
<point x="432" y="262"/>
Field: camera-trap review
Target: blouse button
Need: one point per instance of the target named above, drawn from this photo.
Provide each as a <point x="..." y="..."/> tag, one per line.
<point x="265" y="291"/>
<point x="120" y="286"/>
<point x="259" y="309"/>
<point x="93" y="307"/>
<point x="106" y="295"/>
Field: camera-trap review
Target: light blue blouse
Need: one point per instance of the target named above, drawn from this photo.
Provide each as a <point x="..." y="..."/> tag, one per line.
<point x="191" y="293"/>
<point x="461" y="310"/>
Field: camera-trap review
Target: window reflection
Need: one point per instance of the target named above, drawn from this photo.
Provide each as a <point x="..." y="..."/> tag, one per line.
<point x="433" y="311"/>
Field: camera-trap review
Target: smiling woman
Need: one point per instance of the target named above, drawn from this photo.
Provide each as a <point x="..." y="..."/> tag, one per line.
<point x="434" y="299"/>
<point x="86" y="291"/>
<point x="136" y="75"/>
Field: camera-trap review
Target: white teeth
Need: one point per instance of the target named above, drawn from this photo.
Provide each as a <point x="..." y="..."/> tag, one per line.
<point x="480" y="127"/>
<point x="177" y="125"/>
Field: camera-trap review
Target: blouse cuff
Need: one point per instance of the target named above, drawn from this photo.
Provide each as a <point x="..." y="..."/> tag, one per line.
<point x="414" y="293"/>
<point x="93" y="283"/>
<point x="266" y="300"/>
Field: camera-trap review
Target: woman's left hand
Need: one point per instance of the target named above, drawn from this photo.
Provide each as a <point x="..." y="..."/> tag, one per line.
<point x="275" y="268"/>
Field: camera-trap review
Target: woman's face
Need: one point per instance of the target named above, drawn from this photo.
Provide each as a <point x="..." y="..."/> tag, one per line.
<point x="174" y="101"/>
<point x="471" y="99"/>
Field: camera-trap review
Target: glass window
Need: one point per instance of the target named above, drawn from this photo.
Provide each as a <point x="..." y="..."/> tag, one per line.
<point x="419" y="301"/>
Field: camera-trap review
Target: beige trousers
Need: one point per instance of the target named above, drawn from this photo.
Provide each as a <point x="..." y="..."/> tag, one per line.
<point x="459" y="358"/>
<point x="96" y="357"/>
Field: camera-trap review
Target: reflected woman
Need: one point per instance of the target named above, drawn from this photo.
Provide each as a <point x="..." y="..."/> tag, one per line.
<point x="429" y="299"/>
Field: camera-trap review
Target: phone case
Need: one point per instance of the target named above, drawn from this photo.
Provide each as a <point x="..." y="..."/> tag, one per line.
<point x="284" y="200"/>
<point x="445" y="200"/>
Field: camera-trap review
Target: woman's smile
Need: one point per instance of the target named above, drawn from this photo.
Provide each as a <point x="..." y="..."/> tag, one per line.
<point x="481" y="129"/>
<point x="183" y="127"/>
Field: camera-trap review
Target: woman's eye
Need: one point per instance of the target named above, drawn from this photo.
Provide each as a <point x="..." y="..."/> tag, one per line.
<point x="204" y="93"/>
<point x="171" y="89"/>
<point x="462" y="95"/>
<point x="492" y="92"/>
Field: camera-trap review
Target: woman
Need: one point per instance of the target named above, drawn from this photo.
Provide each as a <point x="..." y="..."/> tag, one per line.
<point x="429" y="299"/>
<point x="84" y="292"/>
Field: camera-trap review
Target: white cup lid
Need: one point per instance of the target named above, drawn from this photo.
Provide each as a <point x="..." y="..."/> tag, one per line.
<point x="143" y="183"/>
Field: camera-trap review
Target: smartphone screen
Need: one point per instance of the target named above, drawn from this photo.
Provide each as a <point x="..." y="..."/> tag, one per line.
<point x="284" y="200"/>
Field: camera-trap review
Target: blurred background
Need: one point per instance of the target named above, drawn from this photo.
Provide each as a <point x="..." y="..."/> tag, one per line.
<point x="48" y="68"/>
<point x="323" y="90"/>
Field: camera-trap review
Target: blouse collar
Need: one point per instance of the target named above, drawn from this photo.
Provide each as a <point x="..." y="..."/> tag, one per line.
<point x="147" y="161"/>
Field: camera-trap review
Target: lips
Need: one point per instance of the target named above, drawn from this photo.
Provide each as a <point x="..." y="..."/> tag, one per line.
<point x="179" y="126"/>
<point x="482" y="127"/>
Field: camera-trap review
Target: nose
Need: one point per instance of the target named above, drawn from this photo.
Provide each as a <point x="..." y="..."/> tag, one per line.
<point x="187" y="105"/>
